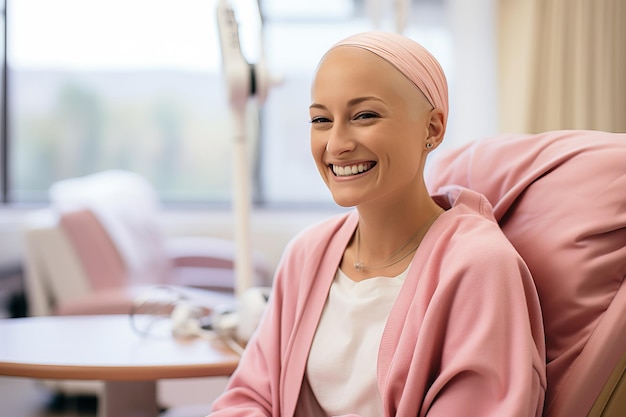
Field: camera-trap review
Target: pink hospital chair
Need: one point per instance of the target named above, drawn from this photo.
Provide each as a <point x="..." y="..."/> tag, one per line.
<point x="100" y="246"/>
<point x="560" y="198"/>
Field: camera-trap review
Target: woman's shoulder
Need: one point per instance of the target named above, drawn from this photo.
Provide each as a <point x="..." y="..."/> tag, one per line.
<point x="472" y="251"/>
<point x="469" y="227"/>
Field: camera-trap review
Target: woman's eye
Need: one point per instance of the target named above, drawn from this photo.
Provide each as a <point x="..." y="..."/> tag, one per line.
<point x="366" y="115"/>
<point x="319" y="119"/>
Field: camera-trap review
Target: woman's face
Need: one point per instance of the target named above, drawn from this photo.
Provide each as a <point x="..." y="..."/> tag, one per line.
<point x="369" y="126"/>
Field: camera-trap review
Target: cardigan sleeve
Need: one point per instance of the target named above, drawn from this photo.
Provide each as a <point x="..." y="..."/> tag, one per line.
<point x="249" y="390"/>
<point x="487" y="321"/>
<point x="267" y="380"/>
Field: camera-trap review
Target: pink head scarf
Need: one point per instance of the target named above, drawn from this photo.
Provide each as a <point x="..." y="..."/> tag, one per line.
<point x="411" y="59"/>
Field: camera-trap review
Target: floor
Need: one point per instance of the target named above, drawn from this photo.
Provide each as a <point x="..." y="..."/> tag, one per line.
<point x="21" y="397"/>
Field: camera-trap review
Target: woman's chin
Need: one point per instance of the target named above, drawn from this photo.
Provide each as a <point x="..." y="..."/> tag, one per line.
<point x="344" y="200"/>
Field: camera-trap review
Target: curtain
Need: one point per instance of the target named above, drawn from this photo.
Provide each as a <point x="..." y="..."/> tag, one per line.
<point x="562" y="65"/>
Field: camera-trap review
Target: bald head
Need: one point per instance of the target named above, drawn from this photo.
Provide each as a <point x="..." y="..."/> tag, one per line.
<point x="411" y="59"/>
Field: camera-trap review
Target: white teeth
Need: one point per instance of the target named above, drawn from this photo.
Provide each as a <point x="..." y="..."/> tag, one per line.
<point x="350" y="170"/>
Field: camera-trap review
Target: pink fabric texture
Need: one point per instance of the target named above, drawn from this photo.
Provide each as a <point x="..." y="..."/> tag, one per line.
<point x="560" y="198"/>
<point x="464" y="337"/>
<point x="98" y="255"/>
<point x="411" y="59"/>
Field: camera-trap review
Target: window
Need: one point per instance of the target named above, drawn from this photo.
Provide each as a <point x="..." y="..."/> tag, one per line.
<point x="137" y="85"/>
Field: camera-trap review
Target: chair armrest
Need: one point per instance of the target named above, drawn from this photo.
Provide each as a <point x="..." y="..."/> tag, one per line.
<point x="204" y="252"/>
<point x="208" y="262"/>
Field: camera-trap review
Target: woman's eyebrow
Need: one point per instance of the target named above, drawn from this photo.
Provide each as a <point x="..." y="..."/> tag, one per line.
<point x="351" y="102"/>
<point x="317" y="106"/>
<point x="359" y="100"/>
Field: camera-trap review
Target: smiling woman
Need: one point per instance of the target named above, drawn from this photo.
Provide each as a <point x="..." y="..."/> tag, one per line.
<point x="385" y="310"/>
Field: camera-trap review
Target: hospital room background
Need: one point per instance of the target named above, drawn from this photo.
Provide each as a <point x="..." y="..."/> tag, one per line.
<point x="142" y="87"/>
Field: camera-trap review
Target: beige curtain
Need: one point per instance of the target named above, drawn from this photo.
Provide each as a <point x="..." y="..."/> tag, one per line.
<point x="562" y="65"/>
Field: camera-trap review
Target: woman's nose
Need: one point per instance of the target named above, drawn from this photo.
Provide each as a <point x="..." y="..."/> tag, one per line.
<point x="339" y="140"/>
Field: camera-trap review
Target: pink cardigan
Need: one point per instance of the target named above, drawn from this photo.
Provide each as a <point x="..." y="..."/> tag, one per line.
<point x="464" y="338"/>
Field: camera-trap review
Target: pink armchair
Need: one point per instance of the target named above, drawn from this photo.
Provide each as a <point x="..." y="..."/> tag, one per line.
<point x="100" y="246"/>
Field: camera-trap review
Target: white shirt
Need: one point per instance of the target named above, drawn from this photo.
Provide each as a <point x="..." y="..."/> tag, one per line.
<point x="341" y="368"/>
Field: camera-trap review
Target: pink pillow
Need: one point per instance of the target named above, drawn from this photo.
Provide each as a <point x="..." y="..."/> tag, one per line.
<point x="560" y="198"/>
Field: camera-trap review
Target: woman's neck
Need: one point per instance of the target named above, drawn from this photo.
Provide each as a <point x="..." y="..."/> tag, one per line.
<point x="385" y="240"/>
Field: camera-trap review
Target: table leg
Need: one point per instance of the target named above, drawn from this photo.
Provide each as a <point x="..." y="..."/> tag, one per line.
<point x="129" y="399"/>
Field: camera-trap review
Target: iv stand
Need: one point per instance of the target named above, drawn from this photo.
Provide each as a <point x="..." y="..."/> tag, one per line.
<point x="243" y="81"/>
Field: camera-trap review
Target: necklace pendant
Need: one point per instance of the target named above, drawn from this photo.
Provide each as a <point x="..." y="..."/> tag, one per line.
<point x="358" y="266"/>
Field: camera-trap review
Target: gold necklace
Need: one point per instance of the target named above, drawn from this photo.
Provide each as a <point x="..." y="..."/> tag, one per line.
<point x="360" y="266"/>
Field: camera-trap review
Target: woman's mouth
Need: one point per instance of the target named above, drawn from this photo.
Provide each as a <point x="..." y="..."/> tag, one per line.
<point x="349" y="170"/>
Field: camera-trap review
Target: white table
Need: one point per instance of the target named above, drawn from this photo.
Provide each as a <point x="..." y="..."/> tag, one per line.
<point x="106" y="348"/>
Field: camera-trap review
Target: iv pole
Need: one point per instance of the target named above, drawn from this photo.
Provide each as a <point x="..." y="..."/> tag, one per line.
<point x="243" y="81"/>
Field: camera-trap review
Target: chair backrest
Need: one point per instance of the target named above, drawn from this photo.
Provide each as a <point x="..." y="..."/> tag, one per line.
<point x="69" y="257"/>
<point x="560" y="198"/>
<point x="96" y="251"/>
<point x="127" y="207"/>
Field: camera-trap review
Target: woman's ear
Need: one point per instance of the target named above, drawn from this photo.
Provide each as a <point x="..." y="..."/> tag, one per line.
<point x="436" y="127"/>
